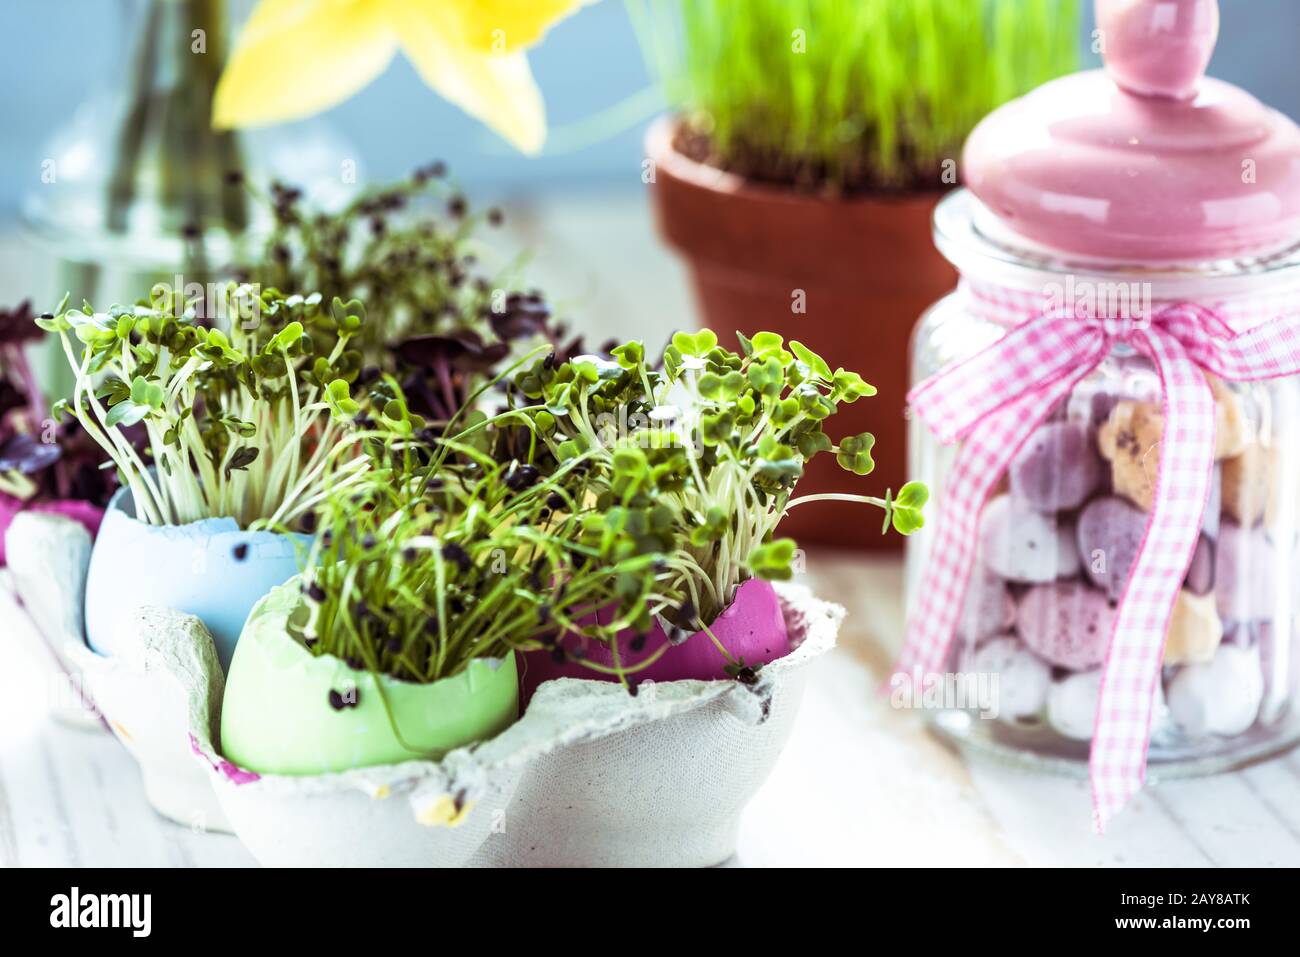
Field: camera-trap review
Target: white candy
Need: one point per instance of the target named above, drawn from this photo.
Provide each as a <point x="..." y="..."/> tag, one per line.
<point x="1221" y="696"/>
<point x="1072" y="704"/>
<point x="1022" y="677"/>
<point x="1022" y="545"/>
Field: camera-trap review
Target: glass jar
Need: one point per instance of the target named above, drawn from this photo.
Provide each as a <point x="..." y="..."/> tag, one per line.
<point x="1059" y="534"/>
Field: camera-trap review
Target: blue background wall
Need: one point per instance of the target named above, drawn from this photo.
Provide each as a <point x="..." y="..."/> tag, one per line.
<point x="58" y="51"/>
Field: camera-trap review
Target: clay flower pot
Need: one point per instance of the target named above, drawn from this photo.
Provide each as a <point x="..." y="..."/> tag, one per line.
<point x="210" y="569"/>
<point x="88" y="515"/>
<point x="863" y="269"/>
<point x="287" y="711"/>
<point x="751" y="627"/>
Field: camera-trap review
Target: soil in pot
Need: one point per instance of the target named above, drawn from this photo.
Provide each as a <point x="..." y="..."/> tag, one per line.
<point x="287" y="711"/>
<point x="209" y="568"/>
<point x="751" y="627"/>
<point x="847" y="277"/>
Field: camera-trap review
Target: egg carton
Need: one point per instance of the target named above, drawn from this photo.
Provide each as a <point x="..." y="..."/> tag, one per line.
<point x="590" y="775"/>
<point x="164" y="673"/>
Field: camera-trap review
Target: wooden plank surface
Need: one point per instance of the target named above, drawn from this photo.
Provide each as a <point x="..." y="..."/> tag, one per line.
<point x="859" y="782"/>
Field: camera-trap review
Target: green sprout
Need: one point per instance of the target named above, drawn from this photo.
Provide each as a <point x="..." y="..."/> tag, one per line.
<point x="696" y="461"/>
<point x="444" y="313"/>
<point x="646" y="492"/>
<point x="247" y="420"/>
<point x="450" y="548"/>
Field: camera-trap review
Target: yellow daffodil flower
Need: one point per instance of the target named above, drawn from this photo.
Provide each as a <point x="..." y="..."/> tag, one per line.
<point x="297" y="57"/>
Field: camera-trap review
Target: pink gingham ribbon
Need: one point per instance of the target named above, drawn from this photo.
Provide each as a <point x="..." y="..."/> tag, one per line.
<point x="995" y="400"/>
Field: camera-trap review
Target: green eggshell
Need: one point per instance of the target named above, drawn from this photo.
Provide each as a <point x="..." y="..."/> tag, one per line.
<point x="276" y="716"/>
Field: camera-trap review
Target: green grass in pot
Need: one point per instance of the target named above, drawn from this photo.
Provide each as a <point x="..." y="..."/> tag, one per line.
<point x="847" y="95"/>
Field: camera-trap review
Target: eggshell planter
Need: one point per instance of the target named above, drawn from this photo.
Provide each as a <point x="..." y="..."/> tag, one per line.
<point x="590" y="775"/>
<point x="209" y="568"/>
<point x="287" y="711"/>
<point x="751" y="627"/>
<point x="88" y="515"/>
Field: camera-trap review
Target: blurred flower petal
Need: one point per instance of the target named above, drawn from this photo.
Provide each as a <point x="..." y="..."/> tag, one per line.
<point x="497" y="88"/>
<point x="504" y="26"/>
<point x="298" y="57"/>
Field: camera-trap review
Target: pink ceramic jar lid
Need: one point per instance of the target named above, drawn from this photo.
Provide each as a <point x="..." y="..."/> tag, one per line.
<point x="1147" y="161"/>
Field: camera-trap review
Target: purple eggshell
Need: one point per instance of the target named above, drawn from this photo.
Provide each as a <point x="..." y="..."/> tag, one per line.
<point x="751" y="627"/>
<point x="1066" y="623"/>
<point x="1057" y="468"/>
<point x="1110" y="532"/>
<point x="1245" y="574"/>
<point x="1200" y="574"/>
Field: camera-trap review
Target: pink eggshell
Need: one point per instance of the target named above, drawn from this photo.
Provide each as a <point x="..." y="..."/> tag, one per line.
<point x="1067" y="623"/>
<point x="83" y="512"/>
<point x="752" y="627"/>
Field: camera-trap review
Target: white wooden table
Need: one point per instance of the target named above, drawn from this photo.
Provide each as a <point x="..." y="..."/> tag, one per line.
<point x="859" y="783"/>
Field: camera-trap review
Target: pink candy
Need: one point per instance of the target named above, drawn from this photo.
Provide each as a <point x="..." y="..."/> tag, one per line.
<point x="1066" y="623"/>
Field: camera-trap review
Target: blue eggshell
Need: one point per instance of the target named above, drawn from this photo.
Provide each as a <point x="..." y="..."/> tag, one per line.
<point x="208" y="568"/>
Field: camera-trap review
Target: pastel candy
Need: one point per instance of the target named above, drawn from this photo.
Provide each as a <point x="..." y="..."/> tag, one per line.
<point x="1072" y="704"/>
<point x="1057" y="469"/>
<point x="1245" y="583"/>
<point x="1195" y="630"/>
<point x="1067" y="623"/>
<point x="1200" y="574"/>
<point x="1109" y="533"/>
<point x="1232" y="422"/>
<point x="1247" y="485"/>
<point x="1022" y="677"/>
<point x="989" y="607"/>
<point x="1022" y="545"/>
<point x="1221" y="696"/>
<point x="1130" y="441"/>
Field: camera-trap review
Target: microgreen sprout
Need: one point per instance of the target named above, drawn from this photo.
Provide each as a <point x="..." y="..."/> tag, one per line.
<point x="695" y="461"/>
<point x="249" y="421"/>
<point x="448" y="550"/>
<point x="441" y="318"/>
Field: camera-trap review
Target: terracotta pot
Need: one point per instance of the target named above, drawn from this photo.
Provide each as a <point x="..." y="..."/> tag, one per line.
<point x="867" y="269"/>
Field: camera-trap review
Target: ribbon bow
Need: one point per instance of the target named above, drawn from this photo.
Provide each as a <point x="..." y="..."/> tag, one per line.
<point x="995" y="400"/>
